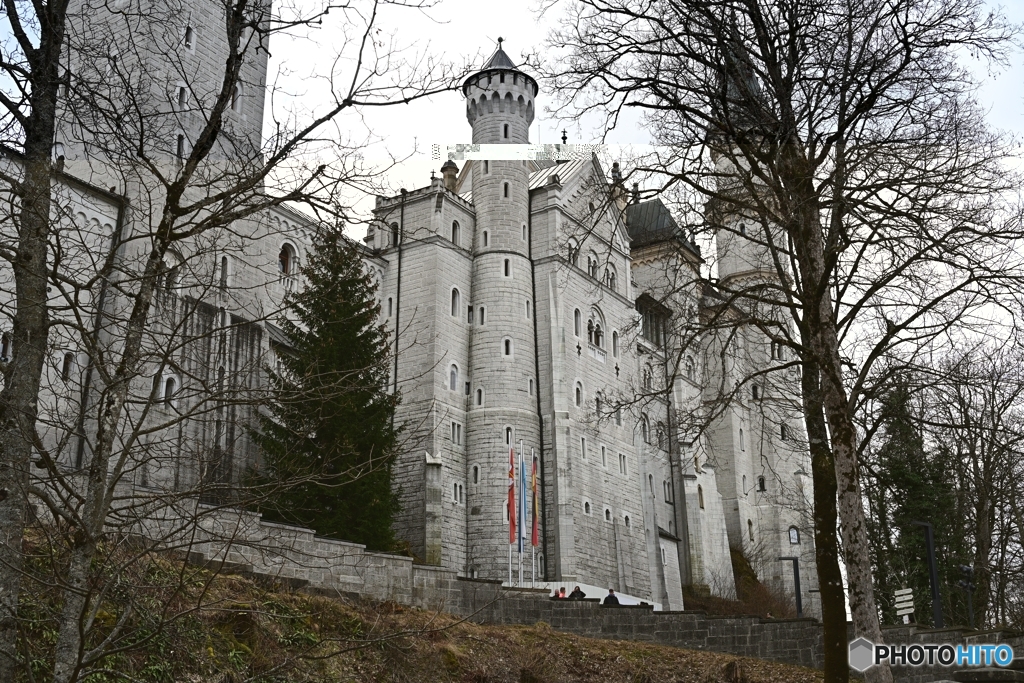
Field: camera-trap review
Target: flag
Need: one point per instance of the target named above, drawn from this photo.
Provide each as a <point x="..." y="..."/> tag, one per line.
<point x="522" y="500"/>
<point x="511" y="495"/>
<point x="534" y="536"/>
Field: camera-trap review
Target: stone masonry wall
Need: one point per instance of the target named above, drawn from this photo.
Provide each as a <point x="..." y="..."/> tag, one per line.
<point x="240" y="542"/>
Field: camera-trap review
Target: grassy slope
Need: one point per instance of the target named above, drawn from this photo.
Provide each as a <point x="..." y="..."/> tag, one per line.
<point x="245" y="632"/>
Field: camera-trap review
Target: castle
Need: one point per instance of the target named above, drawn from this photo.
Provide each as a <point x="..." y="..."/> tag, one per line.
<point x="533" y="306"/>
<point x="537" y="306"/>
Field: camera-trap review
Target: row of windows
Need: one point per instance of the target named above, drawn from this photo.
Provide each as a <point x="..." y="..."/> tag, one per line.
<point x="623" y="464"/>
<point x="610" y="277"/>
<point x="456" y="308"/>
<point x="595" y="330"/>
<point x="456" y="233"/>
<point x="607" y="514"/>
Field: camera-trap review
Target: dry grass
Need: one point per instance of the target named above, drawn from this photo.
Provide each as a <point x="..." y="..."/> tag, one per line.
<point x="244" y="631"/>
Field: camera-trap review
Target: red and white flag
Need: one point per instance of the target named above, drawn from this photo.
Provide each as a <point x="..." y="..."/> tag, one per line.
<point x="511" y="495"/>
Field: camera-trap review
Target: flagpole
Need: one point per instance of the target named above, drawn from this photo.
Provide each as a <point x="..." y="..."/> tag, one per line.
<point x="520" y="510"/>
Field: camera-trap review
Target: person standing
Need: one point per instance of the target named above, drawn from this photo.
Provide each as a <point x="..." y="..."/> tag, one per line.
<point x="610" y="599"/>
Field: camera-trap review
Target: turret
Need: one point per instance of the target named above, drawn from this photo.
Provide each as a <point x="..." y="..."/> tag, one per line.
<point x="499" y="107"/>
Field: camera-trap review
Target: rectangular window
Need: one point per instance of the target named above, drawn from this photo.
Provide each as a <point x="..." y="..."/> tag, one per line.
<point x="604" y="457"/>
<point x="583" y="447"/>
<point x="469" y="315"/>
<point x="456" y="433"/>
<point x="622" y="463"/>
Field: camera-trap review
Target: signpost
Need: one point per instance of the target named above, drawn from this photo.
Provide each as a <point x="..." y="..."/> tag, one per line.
<point x="905" y="604"/>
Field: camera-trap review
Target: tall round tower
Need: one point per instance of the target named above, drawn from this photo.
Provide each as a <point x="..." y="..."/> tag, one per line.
<point x="502" y="407"/>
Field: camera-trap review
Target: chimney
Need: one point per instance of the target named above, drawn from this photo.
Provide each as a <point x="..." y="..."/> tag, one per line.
<point x="636" y="193"/>
<point x="450" y="172"/>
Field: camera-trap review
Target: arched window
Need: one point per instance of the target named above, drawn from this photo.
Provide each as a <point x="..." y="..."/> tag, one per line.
<point x="5" y="347"/>
<point x="626" y="520"/>
<point x="476" y="474"/>
<point x="482" y="311"/>
<point x="456" y="303"/>
<point x="389" y="306"/>
<point x="286" y="260"/>
<point x="170" y="388"/>
<point x="593" y="265"/>
<point x="750" y="530"/>
<point x="661" y="434"/>
<point x="455" y="233"/>
<point x="744" y="484"/>
<point x="508" y="436"/>
<point x="506" y="346"/>
<point x="595" y="333"/>
<point x="485" y="238"/>
<point x="479" y="397"/>
<point x="574" y="252"/>
<point x="577" y="322"/>
<point x="586" y="507"/>
<point x="609" y="277"/>
<point x="743" y="442"/>
<point x="615" y="344"/>
<point x="743" y="228"/>
<point x="607" y="515"/>
<point x="453" y="378"/>
<point x="645" y="429"/>
<point x="505" y="127"/>
<point x="508" y="268"/>
<point x="579" y="395"/>
<point x="66" y="366"/>
<point x="583" y="447"/>
<point x="505" y="190"/>
<point x="223" y="272"/>
<point x="527" y="309"/>
<point x="761" y="484"/>
<point x="650" y="482"/>
<point x="531" y="386"/>
<point x="794" y="535"/>
<point x="783" y="433"/>
<point x="524" y="232"/>
<point x="700" y="497"/>
<point x="394" y="234"/>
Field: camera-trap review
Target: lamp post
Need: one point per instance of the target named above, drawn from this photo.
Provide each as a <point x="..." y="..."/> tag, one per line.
<point x="796" y="584"/>
<point x="933" y="572"/>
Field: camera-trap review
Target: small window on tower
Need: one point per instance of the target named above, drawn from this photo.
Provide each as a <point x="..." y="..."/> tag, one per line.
<point x="182" y="96"/>
<point x="506" y="190"/>
<point x="508" y="268"/>
<point x="485" y="238"/>
<point x="179" y="149"/>
<point x="506" y="130"/>
<point x="479" y="397"/>
<point x="487" y="167"/>
<point x="190" y="38"/>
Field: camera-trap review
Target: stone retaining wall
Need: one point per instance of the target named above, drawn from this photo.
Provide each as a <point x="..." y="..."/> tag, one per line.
<point x="242" y="542"/>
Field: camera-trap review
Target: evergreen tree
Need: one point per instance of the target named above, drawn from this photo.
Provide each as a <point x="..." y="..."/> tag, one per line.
<point x="907" y="484"/>
<point x="329" y="440"/>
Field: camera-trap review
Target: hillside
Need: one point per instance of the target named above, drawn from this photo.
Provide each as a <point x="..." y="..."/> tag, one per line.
<point x="248" y="632"/>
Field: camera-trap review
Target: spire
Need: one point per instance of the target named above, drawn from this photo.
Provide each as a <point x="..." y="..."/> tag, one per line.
<point x="499" y="60"/>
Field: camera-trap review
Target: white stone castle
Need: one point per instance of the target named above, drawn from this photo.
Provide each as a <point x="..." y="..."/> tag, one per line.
<point x="533" y="306"/>
<point x="538" y="306"/>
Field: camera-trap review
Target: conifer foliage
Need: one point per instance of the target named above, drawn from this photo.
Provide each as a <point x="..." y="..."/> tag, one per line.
<point x="329" y="439"/>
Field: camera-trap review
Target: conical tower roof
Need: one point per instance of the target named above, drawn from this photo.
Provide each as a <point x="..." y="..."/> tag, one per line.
<point x="500" y="61"/>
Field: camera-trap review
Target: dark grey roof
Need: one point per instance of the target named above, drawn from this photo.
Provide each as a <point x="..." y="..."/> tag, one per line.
<point x="651" y="222"/>
<point x="499" y="60"/>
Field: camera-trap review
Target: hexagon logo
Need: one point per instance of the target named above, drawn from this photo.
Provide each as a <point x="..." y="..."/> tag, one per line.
<point x="862" y="654"/>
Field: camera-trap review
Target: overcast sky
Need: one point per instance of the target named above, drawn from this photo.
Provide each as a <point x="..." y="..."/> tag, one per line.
<point x="467" y="30"/>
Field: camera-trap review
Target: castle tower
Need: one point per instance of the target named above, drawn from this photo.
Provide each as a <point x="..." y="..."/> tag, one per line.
<point x="499" y="107"/>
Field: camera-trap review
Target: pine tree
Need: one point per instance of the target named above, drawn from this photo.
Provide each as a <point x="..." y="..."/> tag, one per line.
<point x="329" y="439"/>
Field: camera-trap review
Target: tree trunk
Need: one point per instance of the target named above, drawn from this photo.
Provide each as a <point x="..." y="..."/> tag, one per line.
<point x="19" y="399"/>
<point x="826" y="541"/>
<point x="67" y="662"/>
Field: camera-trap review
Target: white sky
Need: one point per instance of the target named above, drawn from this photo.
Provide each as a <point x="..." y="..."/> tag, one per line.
<point x="463" y="31"/>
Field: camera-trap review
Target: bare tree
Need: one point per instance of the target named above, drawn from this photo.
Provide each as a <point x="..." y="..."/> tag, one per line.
<point x="132" y="286"/>
<point x="850" y="179"/>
